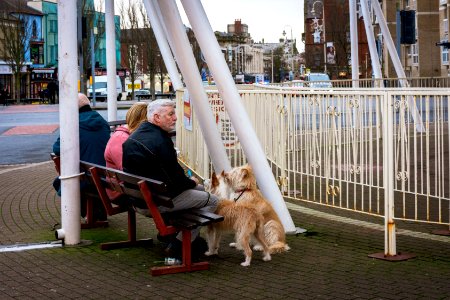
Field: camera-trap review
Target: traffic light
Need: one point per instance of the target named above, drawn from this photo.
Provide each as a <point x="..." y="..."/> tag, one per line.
<point x="408" y="27"/>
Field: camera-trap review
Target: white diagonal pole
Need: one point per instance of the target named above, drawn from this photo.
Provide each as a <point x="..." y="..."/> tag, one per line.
<point x="241" y="122"/>
<point x="397" y="64"/>
<point x="191" y="76"/>
<point x="164" y="48"/>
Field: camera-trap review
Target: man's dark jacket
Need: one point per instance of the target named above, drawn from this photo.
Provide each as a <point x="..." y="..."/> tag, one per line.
<point x="150" y="152"/>
<point x="94" y="135"/>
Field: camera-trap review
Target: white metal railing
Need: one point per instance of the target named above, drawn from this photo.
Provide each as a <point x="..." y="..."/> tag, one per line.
<point x="414" y="82"/>
<point x="335" y="148"/>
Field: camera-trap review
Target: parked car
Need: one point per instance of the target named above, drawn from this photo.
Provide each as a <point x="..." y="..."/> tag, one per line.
<point x="101" y="88"/>
<point x="142" y="94"/>
<point x="318" y="80"/>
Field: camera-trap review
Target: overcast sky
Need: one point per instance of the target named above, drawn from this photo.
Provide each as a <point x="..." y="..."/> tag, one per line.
<point x="266" y="19"/>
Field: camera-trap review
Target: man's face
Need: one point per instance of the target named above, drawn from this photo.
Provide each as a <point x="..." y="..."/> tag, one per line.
<point x="166" y="118"/>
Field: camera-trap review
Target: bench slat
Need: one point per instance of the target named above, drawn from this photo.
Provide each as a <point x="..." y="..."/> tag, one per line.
<point x="206" y="214"/>
<point x="186" y="224"/>
<point x="197" y="219"/>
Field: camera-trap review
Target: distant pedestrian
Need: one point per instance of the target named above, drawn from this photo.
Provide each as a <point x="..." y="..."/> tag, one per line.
<point x="52" y="87"/>
<point x="3" y="96"/>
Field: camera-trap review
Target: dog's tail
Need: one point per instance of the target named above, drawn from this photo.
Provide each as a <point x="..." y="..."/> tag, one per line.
<point x="278" y="247"/>
<point x="275" y="236"/>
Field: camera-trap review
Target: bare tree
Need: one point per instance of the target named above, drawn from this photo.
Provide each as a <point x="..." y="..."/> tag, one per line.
<point x="131" y="40"/>
<point x="92" y="18"/>
<point x="15" y="35"/>
<point x="153" y="60"/>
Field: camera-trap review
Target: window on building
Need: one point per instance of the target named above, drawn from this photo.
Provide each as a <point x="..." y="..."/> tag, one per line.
<point x="415" y="54"/>
<point x="53" y="26"/>
<point x="444" y="54"/>
<point x="52" y="57"/>
<point x="34" y="29"/>
<point x="37" y="53"/>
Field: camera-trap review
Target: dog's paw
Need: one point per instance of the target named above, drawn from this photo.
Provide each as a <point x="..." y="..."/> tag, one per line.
<point x="245" y="264"/>
<point x="209" y="253"/>
<point x="267" y="257"/>
<point x="258" y="247"/>
<point x="232" y="245"/>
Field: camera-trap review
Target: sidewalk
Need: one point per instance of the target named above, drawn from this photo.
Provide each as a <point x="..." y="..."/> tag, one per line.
<point x="328" y="262"/>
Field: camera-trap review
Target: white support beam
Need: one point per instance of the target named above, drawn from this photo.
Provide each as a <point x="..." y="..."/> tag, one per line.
<point x="68" y="118"/>
<point x="354" y="43"/>
<point x="376" y="66"/>
<point x="241" y="122"/>
<point x="397" y="64"/>
<point x="111" y="70"/>
<point x="191" y="76"/>
<point x="160" y="36"/>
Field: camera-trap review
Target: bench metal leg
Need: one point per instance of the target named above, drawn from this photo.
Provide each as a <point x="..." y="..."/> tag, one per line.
<point x="132" y="241"/>
<point x="90" y="222"/>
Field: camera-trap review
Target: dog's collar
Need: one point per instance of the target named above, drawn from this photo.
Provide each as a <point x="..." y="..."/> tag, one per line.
<point x="241" y="192"/>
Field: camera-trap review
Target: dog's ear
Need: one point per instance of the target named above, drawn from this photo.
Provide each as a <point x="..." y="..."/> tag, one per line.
<point x="214" y="180"/>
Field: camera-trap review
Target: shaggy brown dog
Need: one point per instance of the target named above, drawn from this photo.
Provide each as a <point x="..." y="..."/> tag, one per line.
<point x="240" y="184"/>
<point x="245" y="221"/>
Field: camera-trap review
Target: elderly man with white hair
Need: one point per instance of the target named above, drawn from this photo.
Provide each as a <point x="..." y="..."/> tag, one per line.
<point x="150" y="152"/>
<point x="94" y="135"/>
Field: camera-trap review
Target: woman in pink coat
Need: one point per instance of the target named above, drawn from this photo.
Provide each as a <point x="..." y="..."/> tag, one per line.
<point x="113" y="152"/>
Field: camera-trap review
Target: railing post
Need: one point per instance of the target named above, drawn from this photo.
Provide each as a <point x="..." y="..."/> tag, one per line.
<point x="390" y="246"/>
<point x="388" y="178"/>
<point x="282" y="125"/>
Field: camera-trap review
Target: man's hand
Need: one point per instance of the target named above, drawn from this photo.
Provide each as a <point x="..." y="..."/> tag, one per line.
<point x="195" y="179"/>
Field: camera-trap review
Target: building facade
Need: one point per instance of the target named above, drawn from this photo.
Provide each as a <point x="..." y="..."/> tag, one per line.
<point x="21" y="46"/>
<point x="327" y="39"/>
<point x="240" y="53"/>
<point x="327" y="33"/>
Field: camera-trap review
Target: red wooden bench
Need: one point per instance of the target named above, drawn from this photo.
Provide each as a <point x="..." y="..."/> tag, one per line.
<point x="151" y="191"/>
<point x="89" y="194"/>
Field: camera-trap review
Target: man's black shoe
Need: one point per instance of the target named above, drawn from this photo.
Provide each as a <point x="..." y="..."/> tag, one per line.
<point x="174" y="249"/>
<point x="199" y="247"/>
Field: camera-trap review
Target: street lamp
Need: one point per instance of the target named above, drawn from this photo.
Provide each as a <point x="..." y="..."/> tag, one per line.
<point x="292" y="47"/>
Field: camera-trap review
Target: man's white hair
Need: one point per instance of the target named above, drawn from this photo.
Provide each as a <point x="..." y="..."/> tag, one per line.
<point x="155" y="107"/>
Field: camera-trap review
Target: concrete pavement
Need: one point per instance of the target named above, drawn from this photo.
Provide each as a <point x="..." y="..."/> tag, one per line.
<point x="328" y="262"/>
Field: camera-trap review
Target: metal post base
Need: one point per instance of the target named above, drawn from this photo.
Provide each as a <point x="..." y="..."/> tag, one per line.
<point x="399" y="257"/>
<point x="441" y="232"/>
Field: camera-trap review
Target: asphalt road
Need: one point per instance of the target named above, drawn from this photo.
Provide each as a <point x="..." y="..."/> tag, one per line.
<point x="30" y="147"/>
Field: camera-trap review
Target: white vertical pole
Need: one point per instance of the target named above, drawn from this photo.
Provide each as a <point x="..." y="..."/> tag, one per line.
<point x="110" y="29"/>
<point x="354" y="43"/>
<point x="397" y="64"/>
<point x="388" y="177"/>
<point x="191" y="75"/>
<point x="389" y="43"/>
<point x="163" y="46"/>
<point x="236" y="110"/>
<point x="371" y="41"/>
<point x="68" y="116"/>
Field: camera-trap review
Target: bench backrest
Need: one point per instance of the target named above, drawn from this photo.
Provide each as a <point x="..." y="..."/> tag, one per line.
<point x="57" y="161"/>
<point x="132" y="186"/>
